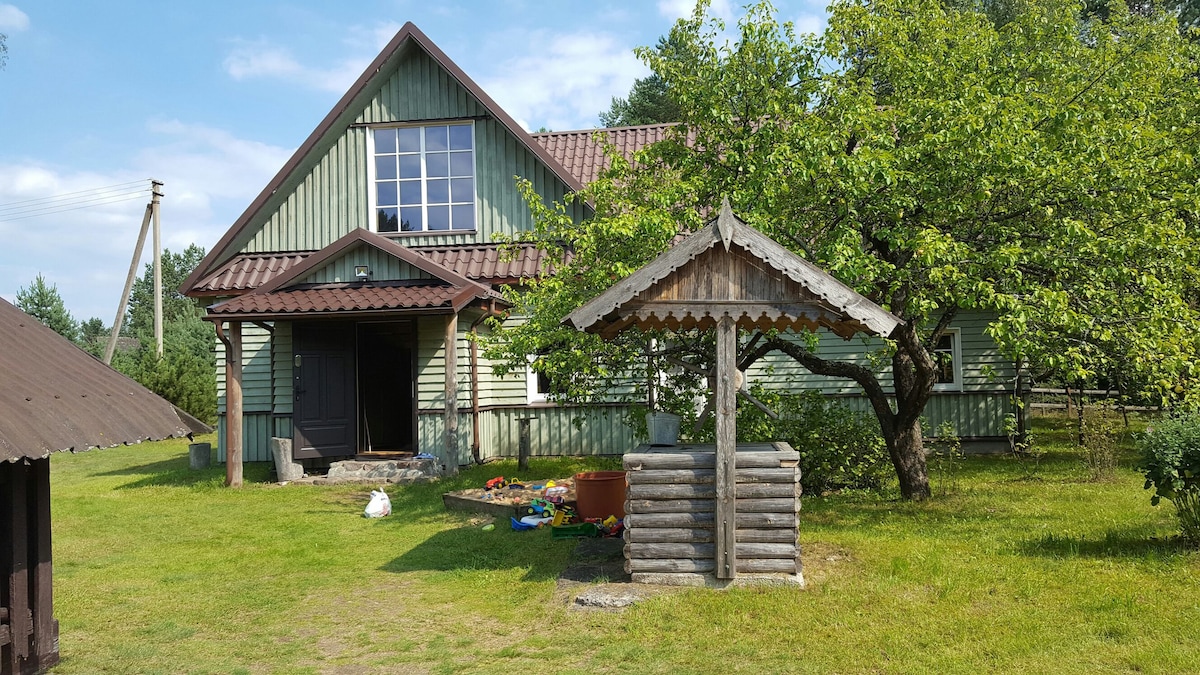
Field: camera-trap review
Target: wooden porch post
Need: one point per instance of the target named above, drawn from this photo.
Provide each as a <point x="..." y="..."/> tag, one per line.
<point x="451" y="347"/>
<point x="233" y="406"/>
<point x="726" y="420"/>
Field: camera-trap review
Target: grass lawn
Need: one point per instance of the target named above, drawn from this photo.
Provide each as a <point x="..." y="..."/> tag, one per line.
<point x="1015" y="569"/>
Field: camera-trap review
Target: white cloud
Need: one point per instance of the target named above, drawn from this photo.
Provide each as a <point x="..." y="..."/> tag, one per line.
<point x="568" y="83"/>
<point x="209" y="177"/>
<point x="261" y="59"/>
<point x="810" y="23"/>
<point x="678" y="9"/>
<point x="12" y="18"/>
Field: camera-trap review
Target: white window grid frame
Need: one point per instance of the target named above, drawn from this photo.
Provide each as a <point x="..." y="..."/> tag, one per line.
<point x="372" y="189"/>
<point x="956" y="354"/>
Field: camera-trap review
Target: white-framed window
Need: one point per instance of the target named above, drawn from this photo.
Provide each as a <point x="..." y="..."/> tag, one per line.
<point x="423" y="177"/>
<point x="537" y="383"/>
<point x="947" y="358"/>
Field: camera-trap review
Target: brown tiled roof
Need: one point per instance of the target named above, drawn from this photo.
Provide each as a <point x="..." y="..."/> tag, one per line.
<point x="581" y="154"/>
<point x="57" y="397"/>
<point x="248" y="270"/>
<point x="342" y="298"/>
<point x="488" y="262"/>
<point x="478" y="262"/>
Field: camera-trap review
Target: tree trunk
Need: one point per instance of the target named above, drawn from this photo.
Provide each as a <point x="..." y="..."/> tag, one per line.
<point x="907" y="450"/>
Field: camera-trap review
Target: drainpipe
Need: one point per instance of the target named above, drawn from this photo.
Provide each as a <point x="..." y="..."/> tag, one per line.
<point x="490" y="311"/>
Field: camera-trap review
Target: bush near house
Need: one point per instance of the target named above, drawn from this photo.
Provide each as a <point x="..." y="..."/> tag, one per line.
<point x="839" y="448"/>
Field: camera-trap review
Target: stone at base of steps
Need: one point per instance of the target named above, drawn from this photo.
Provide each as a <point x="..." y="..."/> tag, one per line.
<point x="375" y="472"/>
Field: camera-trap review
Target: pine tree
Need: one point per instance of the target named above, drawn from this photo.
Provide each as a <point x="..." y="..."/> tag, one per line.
<point x="42" y="301"/>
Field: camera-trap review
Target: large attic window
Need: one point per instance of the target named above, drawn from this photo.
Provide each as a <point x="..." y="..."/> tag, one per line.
<point x="423" y="178"/>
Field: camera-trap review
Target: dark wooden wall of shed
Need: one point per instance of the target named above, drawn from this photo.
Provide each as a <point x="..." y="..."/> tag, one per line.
<point x="28" y="630"/>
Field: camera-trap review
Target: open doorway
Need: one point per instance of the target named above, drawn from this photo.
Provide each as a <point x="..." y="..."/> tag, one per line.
<point x="386" y="387"/>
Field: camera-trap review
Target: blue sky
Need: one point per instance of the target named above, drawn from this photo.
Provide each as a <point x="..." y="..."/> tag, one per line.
<point x="211" y="98"/>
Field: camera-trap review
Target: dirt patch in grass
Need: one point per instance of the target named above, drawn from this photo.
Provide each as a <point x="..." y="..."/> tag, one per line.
<point x="823" y="560"/>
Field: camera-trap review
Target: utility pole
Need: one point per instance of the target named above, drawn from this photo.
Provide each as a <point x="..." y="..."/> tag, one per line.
<point x="155" y="196"/>
<point x="150" y="215"/>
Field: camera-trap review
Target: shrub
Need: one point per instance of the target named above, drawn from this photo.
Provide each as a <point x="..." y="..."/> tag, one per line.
<point x="839" y="448"/>
<point x="1171" y="461"/>
<point x="947" y="451"/>
<point x="1101" y="439"/>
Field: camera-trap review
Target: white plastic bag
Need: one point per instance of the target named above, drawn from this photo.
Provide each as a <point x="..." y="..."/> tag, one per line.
<point x="379" y="506"/>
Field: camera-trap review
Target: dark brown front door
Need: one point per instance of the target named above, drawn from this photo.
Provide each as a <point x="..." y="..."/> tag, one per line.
<point x="324" y="388"/>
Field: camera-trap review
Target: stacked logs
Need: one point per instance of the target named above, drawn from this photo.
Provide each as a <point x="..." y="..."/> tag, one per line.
<point x="669" y="512"/>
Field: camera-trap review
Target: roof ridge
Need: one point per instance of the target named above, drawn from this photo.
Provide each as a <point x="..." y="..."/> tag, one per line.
<point x="656" y="125"/>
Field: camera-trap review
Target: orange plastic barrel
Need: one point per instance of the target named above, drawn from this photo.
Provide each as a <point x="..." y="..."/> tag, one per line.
<point x="600" y="494"/>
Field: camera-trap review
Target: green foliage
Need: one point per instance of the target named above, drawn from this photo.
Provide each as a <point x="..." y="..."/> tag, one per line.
<point x="186" y="373"/>
<point x="648" y="102"/>
<point x="1171" y="463"/>
<point x="839" y="448"/>
<point x="92" y="336"/>
<point x="176" y="267"/>
<point x="42" y="301"/>
<point x="1044" y="171"/>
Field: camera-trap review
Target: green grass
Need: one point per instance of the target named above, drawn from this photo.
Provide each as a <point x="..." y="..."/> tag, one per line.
<point x="163" y="570"/>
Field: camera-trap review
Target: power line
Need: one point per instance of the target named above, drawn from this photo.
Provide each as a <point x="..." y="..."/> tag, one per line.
<point x="78" y="192"/>
<point x="65" y="207"/>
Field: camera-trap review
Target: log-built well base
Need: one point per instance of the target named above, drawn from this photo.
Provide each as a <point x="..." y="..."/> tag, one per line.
<point x="670" y="528"/>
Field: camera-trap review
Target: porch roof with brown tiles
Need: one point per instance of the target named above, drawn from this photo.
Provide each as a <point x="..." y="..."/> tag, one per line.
<point x="485" y="263"/>
<point x="345" y="298"/>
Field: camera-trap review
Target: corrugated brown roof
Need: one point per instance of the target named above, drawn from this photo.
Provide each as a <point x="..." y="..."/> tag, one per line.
<point x="581" y="154"/>
<point x="342" y="298"/>
<point x="478" y="262"/>
<point x="54" y="396"/>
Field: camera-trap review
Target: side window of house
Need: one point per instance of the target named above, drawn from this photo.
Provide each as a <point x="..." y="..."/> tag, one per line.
<point x="423" y="178"/>
<point x="947" y="357"/>
<point x="537" y="384"/>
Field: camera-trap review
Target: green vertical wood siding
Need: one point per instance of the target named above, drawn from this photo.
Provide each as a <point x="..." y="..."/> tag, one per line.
<point x="256" y="370"/>
<point x="329" y="201"/>
<point x="257" y="429"/>
<point x="383" y="266"/>
<point x="983" y="367"/>
<point x="281" y="364"/>
<point x="553" y="431"/>
<point x="333" y="197"/>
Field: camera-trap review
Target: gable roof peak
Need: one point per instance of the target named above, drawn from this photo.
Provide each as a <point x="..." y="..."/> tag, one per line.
<point x="341" y="115"/>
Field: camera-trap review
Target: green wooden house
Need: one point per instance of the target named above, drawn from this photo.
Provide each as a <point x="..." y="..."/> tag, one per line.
<point x="351" y="285"/>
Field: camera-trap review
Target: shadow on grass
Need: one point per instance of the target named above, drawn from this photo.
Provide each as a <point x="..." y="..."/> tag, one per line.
<point x="175" y="473"/>
<point x="470" y="549"/>
<point x="1115" y="544"/>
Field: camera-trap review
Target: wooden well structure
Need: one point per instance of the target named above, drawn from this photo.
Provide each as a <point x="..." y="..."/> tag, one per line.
<point x="724" y="510"/>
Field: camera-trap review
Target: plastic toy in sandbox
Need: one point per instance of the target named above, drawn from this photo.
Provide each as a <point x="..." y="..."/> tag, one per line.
<point x="550" y="504"/>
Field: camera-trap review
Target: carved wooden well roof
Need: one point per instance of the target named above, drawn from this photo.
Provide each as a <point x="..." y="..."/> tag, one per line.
<point x="729" y="268"/>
